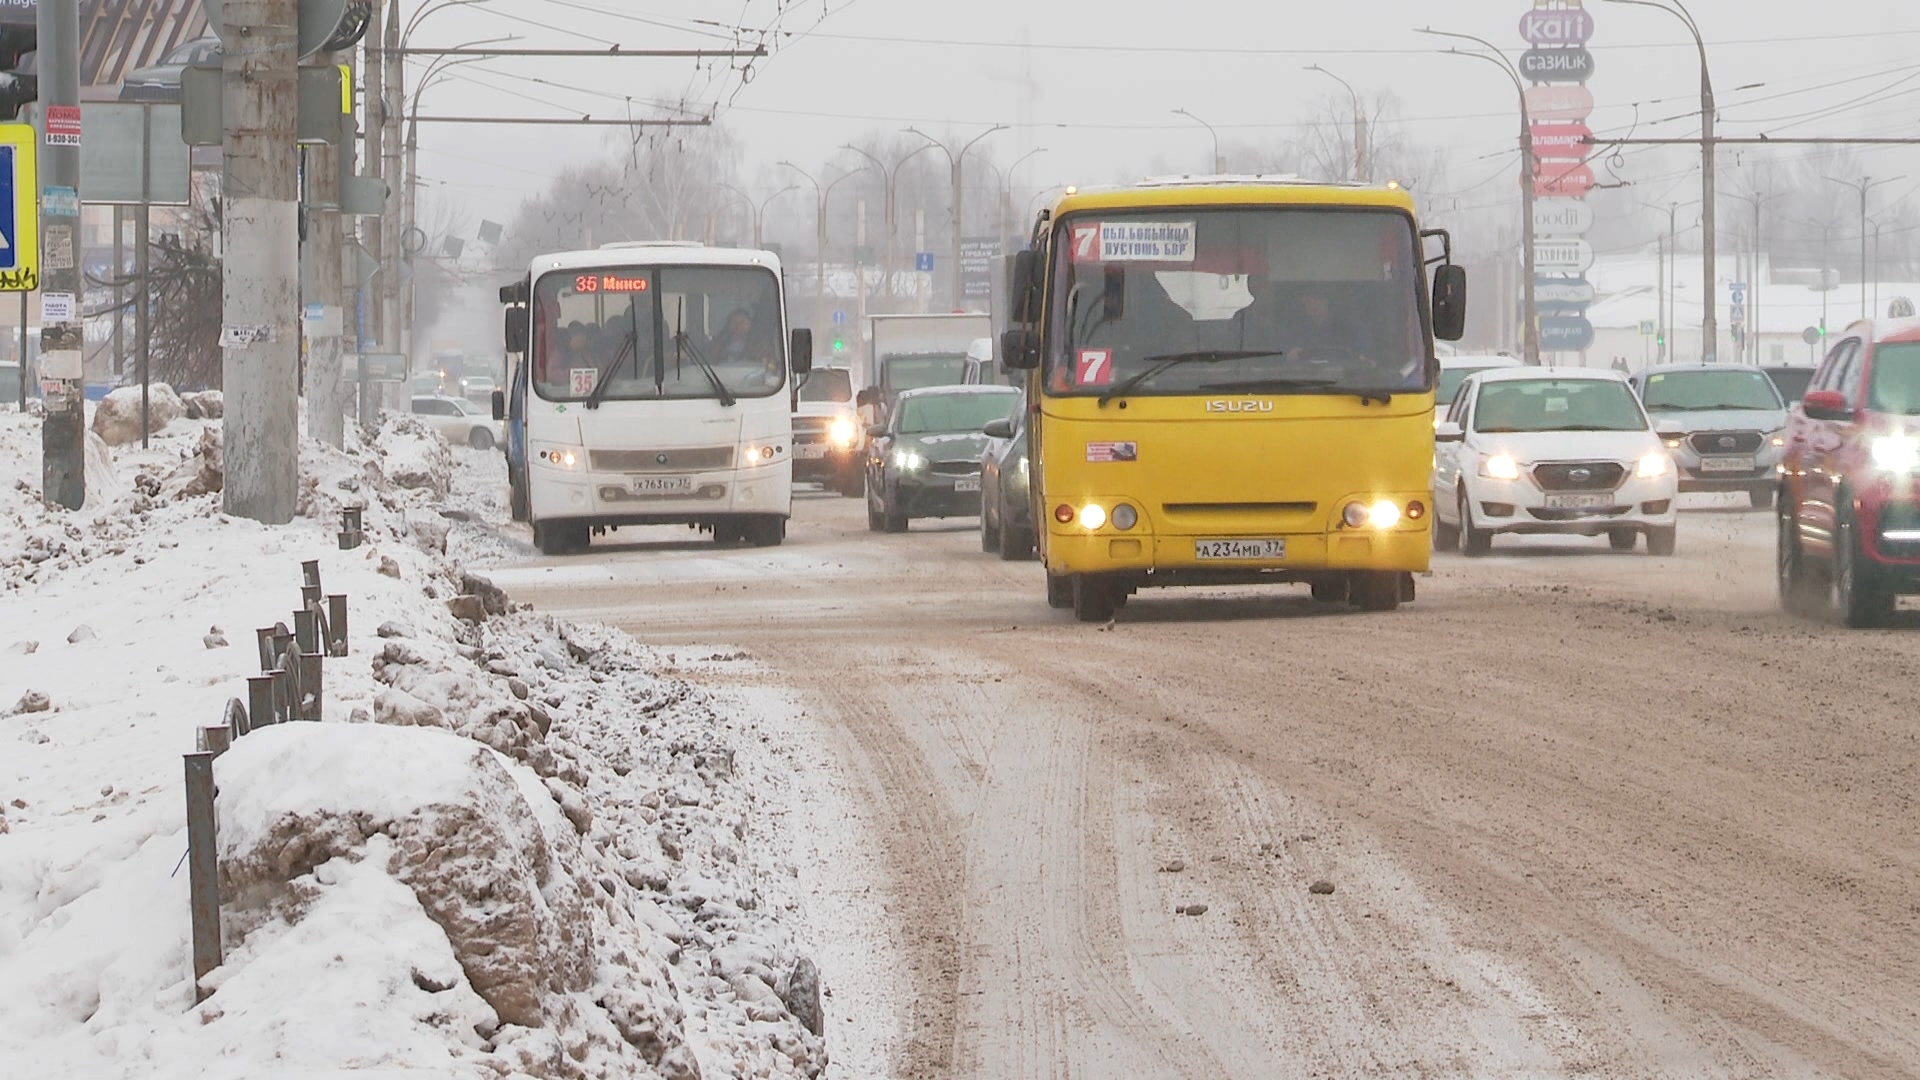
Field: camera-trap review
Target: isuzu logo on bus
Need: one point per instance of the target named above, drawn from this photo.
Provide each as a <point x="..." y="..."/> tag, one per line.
<point x="1239" y="406"/>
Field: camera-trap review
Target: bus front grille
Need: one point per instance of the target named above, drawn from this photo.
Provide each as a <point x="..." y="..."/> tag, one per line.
<point x="691" y="459"/>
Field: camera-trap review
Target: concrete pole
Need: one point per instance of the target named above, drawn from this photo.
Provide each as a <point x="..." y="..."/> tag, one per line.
<point x="1709" y="295"/>
<point x="1530" y="307"/>
<point x="321" y="283"/>
<point x="959" y="225"/>
<point x="119" y="290"/>
<point x="409" y="225"/>
<point x="394" y="217"/>
<point x="63" y="433"/>
<point x="262" y="266"/>
<point x="374" y="157"/>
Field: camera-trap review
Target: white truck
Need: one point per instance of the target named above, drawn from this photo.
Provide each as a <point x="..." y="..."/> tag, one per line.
<point x="906" y="352"/>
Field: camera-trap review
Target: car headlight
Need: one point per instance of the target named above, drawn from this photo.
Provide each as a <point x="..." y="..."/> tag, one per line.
<point x="1500" y="467"/>
<point x="1777" y="439"/>
<point x="907" y="461"/>
<point x="842" y="432"/>
<point x="1896" y="453"/>
<point x="1654" y="466"/>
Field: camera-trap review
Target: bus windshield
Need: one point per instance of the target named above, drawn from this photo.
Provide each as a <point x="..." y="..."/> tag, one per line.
<point x="654" y="332"/>
<point x="1253" y="300"/>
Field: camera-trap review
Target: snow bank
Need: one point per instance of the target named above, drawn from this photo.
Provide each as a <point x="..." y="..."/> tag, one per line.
<point x="512" y="849"/>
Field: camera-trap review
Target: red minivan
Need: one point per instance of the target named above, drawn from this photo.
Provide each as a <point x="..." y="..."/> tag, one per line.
<point x="1849" y="504"/>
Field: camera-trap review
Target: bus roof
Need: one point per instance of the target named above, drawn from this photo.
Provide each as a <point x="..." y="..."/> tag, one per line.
<point x="666" y="253"/>
<point x="1261" y="190"/>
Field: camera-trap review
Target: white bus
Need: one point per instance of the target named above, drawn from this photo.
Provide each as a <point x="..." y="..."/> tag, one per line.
<point x="660" y="383"/>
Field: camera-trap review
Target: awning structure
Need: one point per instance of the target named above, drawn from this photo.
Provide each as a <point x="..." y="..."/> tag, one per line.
<point x="117" y="36"/>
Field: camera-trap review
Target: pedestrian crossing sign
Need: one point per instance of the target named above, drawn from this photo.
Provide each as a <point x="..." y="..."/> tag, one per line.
<point x="19" y="210"/>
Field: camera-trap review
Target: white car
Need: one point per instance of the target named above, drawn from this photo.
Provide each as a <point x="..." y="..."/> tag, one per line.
<point x="1551" y="450"/>
<point x="1454" y="370"/>
<point x="460" y="421"/>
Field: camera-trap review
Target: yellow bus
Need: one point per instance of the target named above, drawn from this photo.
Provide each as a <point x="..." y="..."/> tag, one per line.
<point x="1231" y="382"/>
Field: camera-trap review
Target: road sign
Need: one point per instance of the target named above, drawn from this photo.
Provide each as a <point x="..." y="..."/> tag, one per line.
<point x="1565" y="333"/>
<point x="839" y="318"/>
<point x="1811" y="335"/>
<point x="1562" y="256"/>
<point x="19" y="209"/>
<point x="383" y="367"/>
<point x="1555" y="178"/>
<point x="1568" y="65"/>
<point x="1562" y="140"/>
<point x="1556" y="26"/>
<point x="1558" y="103"/>
<point x="1567" y="290"/>
<point x="1562" y="217"/>
<point x="923" y="262"/>
<point x="1646" y="328"/>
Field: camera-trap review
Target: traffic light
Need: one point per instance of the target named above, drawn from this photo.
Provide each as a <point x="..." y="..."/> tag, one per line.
<point x="19" y="81"/>
<point x="839" y="344"/>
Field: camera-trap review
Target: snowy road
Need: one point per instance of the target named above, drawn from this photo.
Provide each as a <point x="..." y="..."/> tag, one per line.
<point x="1584" y="813"/>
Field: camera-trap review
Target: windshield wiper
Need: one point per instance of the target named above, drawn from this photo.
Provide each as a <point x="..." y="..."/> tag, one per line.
<point x="1172" y="360"/>
<point x="683" y="346"/>
<point x="1274" y="384"/>
<point x="604" y="382"/>
<point x="1583" y="427"/>
<point x="1711" y="408"/>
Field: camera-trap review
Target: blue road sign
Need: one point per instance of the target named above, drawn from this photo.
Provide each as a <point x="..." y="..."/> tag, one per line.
<point x="839" y="318"/>
<point x="9" y="236"/>
<point x="923" y="262"/>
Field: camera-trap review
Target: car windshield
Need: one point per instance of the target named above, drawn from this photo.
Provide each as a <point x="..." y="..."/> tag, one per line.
<point x="1556" y="405"/>
<point x="1896" y="379"/>
<point x="828" y="384"/>
<point x="1710" y="391"/>
<point x="1792" y="382"/>
<point x="1277" y="299"/>
<point x="1450" y="380"/>
<point x="915" y="372"/>
<point x="947" y="413"/>
<point x="655" y="332"/>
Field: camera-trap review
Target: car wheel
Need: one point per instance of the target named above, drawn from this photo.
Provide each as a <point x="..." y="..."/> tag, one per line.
<point x="1862" y="600"/>
<point x="1800" y="589"/>
<point x="1622" y="539"/>
<point x="480" y="439"/>
<point x="1332" y="590"/>
<point x="893" y="521"/>
<point x="989" y="531"/>
<point x="1445" y="537"/>
<point x="1093" y="598"/>
<point x="1761" y="497"/>
<point x="1662" y="541"/>
<point x="876" y="521"/>
<point x="1474" y="542"/>
<point x="1016" y="543"/>
<point x="1059" y="591"/>
<point x="1374" y="590"/>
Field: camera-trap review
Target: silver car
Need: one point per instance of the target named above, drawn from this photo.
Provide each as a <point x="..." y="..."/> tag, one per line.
<point x="1725" y="424"/>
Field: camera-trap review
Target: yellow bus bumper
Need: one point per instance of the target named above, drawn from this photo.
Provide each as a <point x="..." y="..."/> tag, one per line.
<point x="1407" y="547"/>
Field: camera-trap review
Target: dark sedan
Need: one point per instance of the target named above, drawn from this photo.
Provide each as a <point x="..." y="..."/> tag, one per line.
<point x="925" y="461"/>
<point x="1006" y="518"/>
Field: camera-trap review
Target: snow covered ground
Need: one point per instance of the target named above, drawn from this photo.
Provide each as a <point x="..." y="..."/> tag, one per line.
<point x="515" y="847"/>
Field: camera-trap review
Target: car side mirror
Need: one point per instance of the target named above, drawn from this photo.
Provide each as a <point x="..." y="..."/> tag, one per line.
<point x="1020" y="349"/>
<point x="516" y="329"/>
<point x="1826" y="405"/>
<point x="876" y="431"/>
<point x="1023" y="289"/>
<point x="998" y="429"/>
<point x="1450" y="302"/>
<point x="800" y="351"/>
<point x="868" y="396"/>
<point x="499" y="404"/>
<point x="1448" y="431"/>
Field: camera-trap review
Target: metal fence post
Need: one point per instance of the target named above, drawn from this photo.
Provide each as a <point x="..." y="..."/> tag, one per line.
<point x="337" y="623"/>
<point x="310" y="573"/>
<point x="264" y="636"/>
<point x="306" y="630"/>
<point x="311" y="673"/>
<point x="203" y="870"/>
<point x="260" y="701"/>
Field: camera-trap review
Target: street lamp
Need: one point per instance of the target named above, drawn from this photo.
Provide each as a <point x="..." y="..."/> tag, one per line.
<point x="1219" y="163"/>
<point x="758" y="212"/>
<point x="1864" y="185"/>
<point x="1004" y="186"/>
<point x="822" y="194"/>
<point x="1710" y="319"/>
<point x="957" y="161"/>
<point x="1360" y="155"/>
<point x="1530" y="308"/>
<point x="890" y="205"/>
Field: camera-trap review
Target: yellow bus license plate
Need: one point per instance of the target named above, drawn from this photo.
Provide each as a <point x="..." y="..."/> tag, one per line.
<point x="1231" y="550"/>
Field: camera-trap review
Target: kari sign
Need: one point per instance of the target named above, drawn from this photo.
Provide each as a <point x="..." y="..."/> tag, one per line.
<point x="1562" y="217"/>
<point x="1571" y="65"/>
<point x="1562" y="140"/>
<point x="1558" y="103"/>
<point x="1558" y="179"/>
<point x="1556" y="26"/>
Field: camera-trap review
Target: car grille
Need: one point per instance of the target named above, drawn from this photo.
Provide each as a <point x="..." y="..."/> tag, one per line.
<point x="955" y="468"/>
<point x="1576" y="515"/>
<point x="1579" y="475"/>
<point x="689" y="459"/>
<point x="1727" y="442"/>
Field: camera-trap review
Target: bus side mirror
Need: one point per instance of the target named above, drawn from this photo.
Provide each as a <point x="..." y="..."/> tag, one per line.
<point x="499" y="404"/>
<point x="516" y="330"/>
<point x="800" y="351"/>
<point x="1450" y="302"/>
<point x="1023" y="289"/>
<point x="1020" y="349"/>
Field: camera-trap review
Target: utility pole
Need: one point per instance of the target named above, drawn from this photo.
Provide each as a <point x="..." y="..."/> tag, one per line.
<point x="63" y="433"/>
<point x="372" y="228"/>
<point x="1361" y="166"/>
<point x="261" y="288"/>
<point x="1865" y="185"/>
<point x="890" y="206"/>
<point x="1219" y="163"/>
<point x="394" y="235"/>
<point x="322" y="281"/>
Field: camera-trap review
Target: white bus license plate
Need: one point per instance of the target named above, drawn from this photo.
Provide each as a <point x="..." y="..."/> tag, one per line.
<point x="810" y="453"/>
<point x="660" y="485"/>
<point x="1726" y="464"/>
<point x="966" y="483"/>
<point x="1579" y="502"/>
<point x="1239" y="549"/>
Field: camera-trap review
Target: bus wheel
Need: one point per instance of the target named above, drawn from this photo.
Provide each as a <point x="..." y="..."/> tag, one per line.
<point x="766" y="531"/>
<point x="729" y="532"/>
<point x="1059" y="592"/>
<point x="1093" y="598"/>
<point x="1331" y="590"/>
<point x="560" y="537"/>
<point x="1375" y="590"/>
<point x="517" y="496"/>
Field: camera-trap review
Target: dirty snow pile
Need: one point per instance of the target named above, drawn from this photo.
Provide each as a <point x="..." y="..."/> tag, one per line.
<point x="513" y="848"/>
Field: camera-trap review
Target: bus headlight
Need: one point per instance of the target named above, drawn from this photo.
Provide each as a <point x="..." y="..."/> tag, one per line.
<point x="1125" y="517"/>
<point x="561" y="458"/>
<point x="1383" y="514"/>
<point x="759" y="454"/>
<point x="842" y="432"/>
<point x="1092" y="516"/>
<point x="1896" y="453"/>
